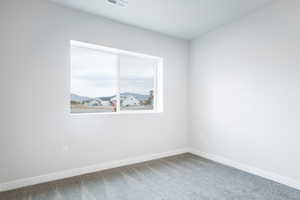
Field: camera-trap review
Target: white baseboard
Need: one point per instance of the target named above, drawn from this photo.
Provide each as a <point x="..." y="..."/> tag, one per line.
<point x="252" y="170"/>
<point x="85" y="170"/>
<point x="99" y="167"/>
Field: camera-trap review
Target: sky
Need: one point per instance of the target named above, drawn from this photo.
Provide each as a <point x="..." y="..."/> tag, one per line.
<point x="94" y="73"/>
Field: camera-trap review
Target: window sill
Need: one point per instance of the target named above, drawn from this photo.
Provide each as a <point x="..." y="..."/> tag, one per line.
<point x="116" y="113"/>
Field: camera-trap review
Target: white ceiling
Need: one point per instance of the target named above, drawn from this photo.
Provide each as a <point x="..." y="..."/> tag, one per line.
<point x="185" y="19"/>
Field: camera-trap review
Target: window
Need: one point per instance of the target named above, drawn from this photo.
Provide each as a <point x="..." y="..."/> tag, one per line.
<point x="106" y="80"/>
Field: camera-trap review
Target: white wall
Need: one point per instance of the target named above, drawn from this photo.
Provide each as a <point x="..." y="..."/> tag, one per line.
<point x="243" y="101"/>
<point x="37" y="134"/>
<point x="245" y="90"/>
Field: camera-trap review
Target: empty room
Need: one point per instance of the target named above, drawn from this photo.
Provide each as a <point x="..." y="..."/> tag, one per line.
<point x="150" y="100"/>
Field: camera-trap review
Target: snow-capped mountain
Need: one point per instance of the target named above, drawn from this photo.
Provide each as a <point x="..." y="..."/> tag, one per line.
<point x="75" y="97"/>
<point x="78" y="98"/>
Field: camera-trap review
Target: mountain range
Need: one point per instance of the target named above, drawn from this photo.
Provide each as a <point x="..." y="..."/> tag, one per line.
<point x="75" y="97"/>
<point x="78" y="98"/>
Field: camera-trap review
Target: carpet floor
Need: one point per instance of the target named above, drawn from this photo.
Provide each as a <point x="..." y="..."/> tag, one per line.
<point x="182" y="177"/>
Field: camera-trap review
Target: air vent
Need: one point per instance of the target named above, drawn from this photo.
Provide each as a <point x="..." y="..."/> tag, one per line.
<point x="121" y="3"/>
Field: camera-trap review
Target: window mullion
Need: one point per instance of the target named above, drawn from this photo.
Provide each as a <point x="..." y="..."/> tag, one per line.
<point x="155" y="92"/>
<point x="118" y="85"/>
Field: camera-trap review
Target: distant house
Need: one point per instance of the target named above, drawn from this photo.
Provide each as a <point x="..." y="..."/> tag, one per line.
<point x="93" y="103"/>
<point x="105" y="103"/>
<point x="97" y="102"/>
<point x="127" y="100"/>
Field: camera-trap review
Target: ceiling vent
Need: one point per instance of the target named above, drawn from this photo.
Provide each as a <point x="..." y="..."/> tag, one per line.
<point x="121" y="3"/>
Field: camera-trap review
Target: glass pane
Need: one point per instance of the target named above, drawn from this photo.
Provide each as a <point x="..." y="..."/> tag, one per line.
<point x="93" y="81"/>
<point x="136" y="83"/>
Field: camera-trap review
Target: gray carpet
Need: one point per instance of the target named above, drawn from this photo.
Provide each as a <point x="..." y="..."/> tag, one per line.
<point x="182" y="177"/>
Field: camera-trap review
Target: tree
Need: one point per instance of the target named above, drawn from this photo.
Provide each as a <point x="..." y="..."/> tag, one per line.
<point x="149" y="101"/>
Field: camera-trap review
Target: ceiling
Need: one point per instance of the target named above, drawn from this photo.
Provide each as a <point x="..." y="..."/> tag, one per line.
<point x="185" y="19"/>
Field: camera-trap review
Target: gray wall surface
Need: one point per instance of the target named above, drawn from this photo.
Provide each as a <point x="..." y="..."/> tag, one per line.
<point x="38" y="134"/>
<point x="244" y="88"/>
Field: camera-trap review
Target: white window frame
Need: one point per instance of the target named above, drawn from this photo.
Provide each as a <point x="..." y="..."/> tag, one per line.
<point x="158" y="78"/>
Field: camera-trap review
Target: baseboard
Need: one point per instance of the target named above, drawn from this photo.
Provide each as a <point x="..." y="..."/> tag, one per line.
<point x="85" y="170"/>
<point x="99" y="167"/>
<point x="252" y="170"/>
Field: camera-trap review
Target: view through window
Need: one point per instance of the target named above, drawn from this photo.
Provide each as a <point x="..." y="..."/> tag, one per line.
<point x="110" y="80"/>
